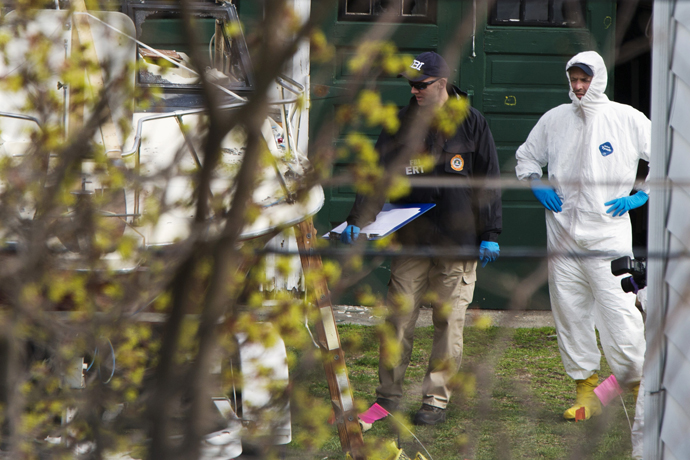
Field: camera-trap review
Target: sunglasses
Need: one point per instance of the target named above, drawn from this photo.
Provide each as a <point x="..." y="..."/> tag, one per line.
<point x="422" y="85"/>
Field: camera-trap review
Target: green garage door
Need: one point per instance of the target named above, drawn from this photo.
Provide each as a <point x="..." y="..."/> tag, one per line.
<point x="517" y="74"/>
<point x="512" y="65"/>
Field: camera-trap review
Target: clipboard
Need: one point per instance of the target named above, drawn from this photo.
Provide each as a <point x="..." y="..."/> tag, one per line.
<point x="391" y="218"/>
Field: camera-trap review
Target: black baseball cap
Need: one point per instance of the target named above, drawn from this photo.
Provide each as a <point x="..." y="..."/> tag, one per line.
<point x="427" y="64"/>
<point x="584" y="67"/>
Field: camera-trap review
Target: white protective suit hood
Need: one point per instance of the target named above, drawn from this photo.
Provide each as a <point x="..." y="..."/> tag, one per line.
<point x="595" y="95"/>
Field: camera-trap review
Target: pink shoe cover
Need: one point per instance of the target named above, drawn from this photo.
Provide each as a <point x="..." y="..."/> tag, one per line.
<point x="373" y="414"/>
<point x="608" y="389"/>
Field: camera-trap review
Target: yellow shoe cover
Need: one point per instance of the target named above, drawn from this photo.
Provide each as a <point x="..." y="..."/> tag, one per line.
<point x="635" y="389"/>
<point x="585" y="398"/>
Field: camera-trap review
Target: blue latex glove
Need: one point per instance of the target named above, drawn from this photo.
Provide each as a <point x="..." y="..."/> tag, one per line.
<point x="350" y="234"/>
<point x="620" y="206"/>
<point x="488" y="252"/>
<point x="546" y="195"/>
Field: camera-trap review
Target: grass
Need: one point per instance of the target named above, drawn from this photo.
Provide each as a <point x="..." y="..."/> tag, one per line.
<point x="509" y="404"/>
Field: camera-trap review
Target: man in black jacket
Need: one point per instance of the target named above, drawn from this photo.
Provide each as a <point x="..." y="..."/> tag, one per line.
<point x="465" y="221"/>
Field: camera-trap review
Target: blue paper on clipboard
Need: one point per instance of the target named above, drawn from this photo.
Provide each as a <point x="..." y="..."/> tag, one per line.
<point x="391" y="218"/>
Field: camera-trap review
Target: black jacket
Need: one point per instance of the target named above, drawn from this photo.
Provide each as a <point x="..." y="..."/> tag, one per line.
<point x="462" y="216"/>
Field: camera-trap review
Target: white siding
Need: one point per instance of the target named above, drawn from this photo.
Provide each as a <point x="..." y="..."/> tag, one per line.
<point x="667" y="425"/>
<point x="675" y="435"/>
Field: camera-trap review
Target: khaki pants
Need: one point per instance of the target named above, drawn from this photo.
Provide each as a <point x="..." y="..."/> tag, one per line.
<point x="447" y="285"/>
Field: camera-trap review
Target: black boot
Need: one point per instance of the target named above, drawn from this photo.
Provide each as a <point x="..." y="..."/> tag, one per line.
<point x="429" y="415"/>
<point x="387" y="404"/>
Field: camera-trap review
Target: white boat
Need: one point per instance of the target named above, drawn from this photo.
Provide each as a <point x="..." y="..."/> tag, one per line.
<point x="147" y="191"/>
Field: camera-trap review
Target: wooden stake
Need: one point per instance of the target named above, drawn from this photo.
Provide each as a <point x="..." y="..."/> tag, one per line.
<point x="329" y="341"/>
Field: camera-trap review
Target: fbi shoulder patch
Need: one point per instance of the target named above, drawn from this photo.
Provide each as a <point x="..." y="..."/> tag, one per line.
<point x="457" y="163"/>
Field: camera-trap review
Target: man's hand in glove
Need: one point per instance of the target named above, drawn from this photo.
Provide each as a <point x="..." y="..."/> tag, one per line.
<point x="350" y="234"/>
<point x="546" y="195"/>
<point x="488" y="252"/>
<point x="620" y="206"/>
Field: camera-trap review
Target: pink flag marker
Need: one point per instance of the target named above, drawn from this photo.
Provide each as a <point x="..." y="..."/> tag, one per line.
<point x="374" y="413"/>
<point x="608" y="389"/>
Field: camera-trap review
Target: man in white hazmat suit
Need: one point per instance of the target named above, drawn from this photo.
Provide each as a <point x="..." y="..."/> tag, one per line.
<point x="592" y="147"/>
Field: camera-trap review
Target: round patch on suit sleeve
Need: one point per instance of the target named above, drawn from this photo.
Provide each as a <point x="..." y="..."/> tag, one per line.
<point x="457" y="163"/>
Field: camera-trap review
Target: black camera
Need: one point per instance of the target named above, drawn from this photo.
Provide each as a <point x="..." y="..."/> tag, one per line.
<point x="636" y="268"/>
